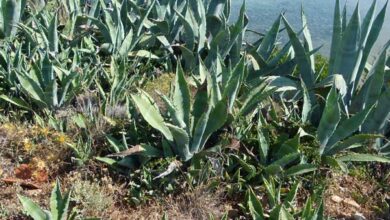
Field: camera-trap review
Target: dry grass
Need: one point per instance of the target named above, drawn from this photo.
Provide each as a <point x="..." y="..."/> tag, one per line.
<point x="348" y="195"/>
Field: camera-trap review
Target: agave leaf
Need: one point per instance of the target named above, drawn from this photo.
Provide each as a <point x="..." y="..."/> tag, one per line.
<point x="268" y="43"/>
<point x="363" y="158"/>
<point x="307" y="38"/>
<point x="307" y="107"/>
<point x="189" y="31"/>
<point x="255" y="97"/>
<point x="181" y="97"/>
<point x="16" y="101"/>
<point x="176" y="119"/>
<point x="53" y="35"/>
<point x="32" y="88"/>
<point x="263" y="137"/>
<point x="33" y="209"/>
<point x="287" y="159"/>
<point x="329" y="120"/>
<point x="11" y="11"/>
<point x="199" y="131"/>
<point x="127" y="45"/>
<point x="145" y="17"/>
<point x="280" y="213"/>
<point x="217" y="118"/>
<point x="254" y="205"/>
<point x="349" y="50"/>
<point x="292" y="194"/>
<point x="358" y="139"/>
<point x="49" y="82"/>
<point x="380" y="115"/>
<point x="300" y="169"/>
<point x="372" y="37"/>
<point x="202" y="26"/>
<point x="58" y="204"/>
<point x="182" y="141"/>
<point x="372" y="88"/>
<point x="151" y="114"/>
<point x="302" y="58"/>
<point x="348" y="127"/>
<point x="234" y="83"/>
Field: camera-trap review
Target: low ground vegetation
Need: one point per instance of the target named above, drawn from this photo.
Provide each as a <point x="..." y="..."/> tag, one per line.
<point x="129" y="109"/>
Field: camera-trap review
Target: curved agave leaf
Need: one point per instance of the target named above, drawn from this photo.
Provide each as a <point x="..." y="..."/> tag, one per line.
<point x="268" y="43"/>
<point x="329" y="120"/>
<point x="182" y="97"/>
<point x="348" y="127"/>
<point x="372" y="37"/>
<point x="59" y="204"/>
<point x="33" y="209"/>
<point x="182" y="142"/>
<point x="151" y="114"/>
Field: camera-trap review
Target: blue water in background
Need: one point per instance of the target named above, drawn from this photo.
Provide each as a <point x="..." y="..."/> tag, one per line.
<point x="319" y="13"/>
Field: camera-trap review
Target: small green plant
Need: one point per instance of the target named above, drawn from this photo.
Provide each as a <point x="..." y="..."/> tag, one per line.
<point x="59" y="206"/>
<point x="283" y="206"/>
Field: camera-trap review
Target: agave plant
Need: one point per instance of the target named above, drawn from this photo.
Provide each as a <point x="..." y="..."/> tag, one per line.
<point x="192" y="122"/>
<point x="283" y="207"/>
<point x="46" y="84"/>
<point x="59" y="205"/>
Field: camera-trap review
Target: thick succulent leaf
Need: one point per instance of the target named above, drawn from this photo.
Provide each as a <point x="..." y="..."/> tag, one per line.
<point x="300" y="169"/>
<point x="287" y="159"/>
<point x="199" y="131"/>
<point x="349" y="50"/>
<point x="255" y="97"/>
<point x="151" y="114"/>
<point x="217" y="118"/>
<point x="303" y="59"/>
<point x="307" y="107"/>
<point x="363" y="158"/>
<point x="181" y="97"/>
<point x="234" y="83"/>
<point x="380" y="115"/>
<point x="373" y="87"/>
<point x="189" y="31"/>
<point x="329" y="120"/>
<point x="307" y="37"/>
<point x="53" y="35"/>
<point x="268" y="43"/>
<point x="16" y="101"/>
<point x="348" y="127"/>
<point x="32" y="88"/>
<point x="12" y="11"/>
<point x="33" y="209"/>
<point x="127" y="45"/>
<point x="373" y="35"/>
<point x="254" y="205"/>
<point x="182" y="141"/>
<point x="280" y="213"/>
<point x="176" y="119"/>
<point x="58" y="204"/>
<point x="263" y="137"/>
<point x="356" y="140"/>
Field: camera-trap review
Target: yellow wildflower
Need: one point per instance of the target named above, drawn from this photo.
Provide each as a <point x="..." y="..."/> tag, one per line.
<point x="27" y="145"/>
<point x="40" y="164"/>
<point x="45" y="131"/>
<point x="61" y="138"/>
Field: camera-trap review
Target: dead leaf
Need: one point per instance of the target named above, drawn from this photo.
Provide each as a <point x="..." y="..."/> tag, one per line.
<point x="24" y="172"/>
<point x="136" y="149"/>
<point x="351" y="202"/>
<point x="22" y="183"/>
<point x="234" y="144"/>
<point x="336" y="199"/>
<point x="40" y="176"/>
